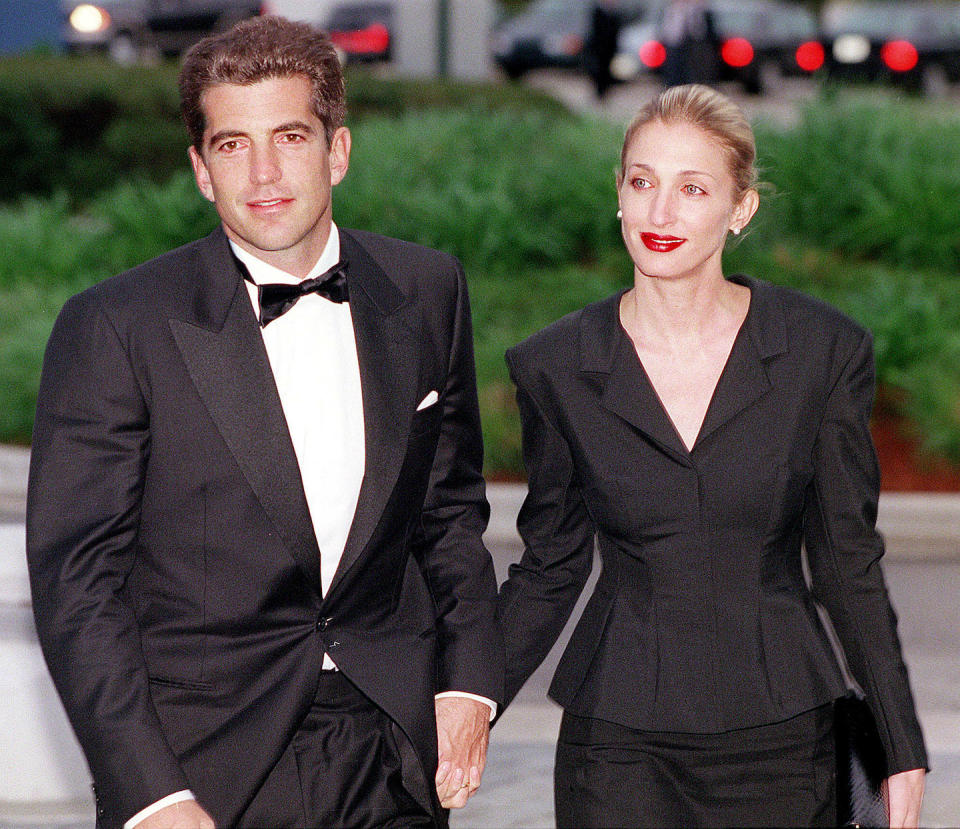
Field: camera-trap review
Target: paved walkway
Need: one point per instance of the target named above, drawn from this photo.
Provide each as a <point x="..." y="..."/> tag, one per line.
<point x="923" y="570"/>
<point x="13" y="482"/>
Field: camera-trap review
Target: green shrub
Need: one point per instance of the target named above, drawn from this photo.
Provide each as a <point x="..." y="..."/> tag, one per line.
<point x="876" y="181"/>
<point x="80" y="125"/>
<point x="526" y="200"/>
<point x="503" y="191"/>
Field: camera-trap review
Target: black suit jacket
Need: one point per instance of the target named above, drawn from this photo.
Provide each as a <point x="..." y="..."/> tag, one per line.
<point x="701" y="620"/>
<point x="174" y="568"/>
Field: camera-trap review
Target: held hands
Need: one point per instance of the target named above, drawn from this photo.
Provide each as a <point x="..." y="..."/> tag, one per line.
<point x="463" y="731"/>
<point x="188" y="814"/>
<point x="904" y="793"/>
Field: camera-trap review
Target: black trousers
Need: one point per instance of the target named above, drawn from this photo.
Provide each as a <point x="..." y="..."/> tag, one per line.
<point x="607" y="775"/>
<point x="342" y="769"/>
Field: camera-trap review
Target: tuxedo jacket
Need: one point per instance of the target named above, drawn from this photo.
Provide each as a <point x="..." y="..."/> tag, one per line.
<point x="174" y="568"/>
<point x="702" y="620"/>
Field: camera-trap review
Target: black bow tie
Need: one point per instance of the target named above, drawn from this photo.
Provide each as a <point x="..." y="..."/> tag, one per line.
<point x="278" y="298"/>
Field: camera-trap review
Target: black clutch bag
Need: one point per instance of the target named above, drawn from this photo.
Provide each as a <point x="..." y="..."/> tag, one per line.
<point x="861" y="765"/>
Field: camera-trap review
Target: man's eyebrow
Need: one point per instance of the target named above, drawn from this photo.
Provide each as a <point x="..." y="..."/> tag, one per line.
<point x="223" y="135"/>
<point x="295" y="126"/>
<point x="290" y="126"/>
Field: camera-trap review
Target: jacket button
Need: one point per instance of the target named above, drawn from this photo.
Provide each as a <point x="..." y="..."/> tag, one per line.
<point x="324" y="623"/>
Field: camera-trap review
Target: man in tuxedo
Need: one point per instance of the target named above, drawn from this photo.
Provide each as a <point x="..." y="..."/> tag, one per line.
<point x="255" y="500"/>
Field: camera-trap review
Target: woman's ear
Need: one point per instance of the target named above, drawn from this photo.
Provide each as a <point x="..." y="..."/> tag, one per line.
<point x="743" y="212"/>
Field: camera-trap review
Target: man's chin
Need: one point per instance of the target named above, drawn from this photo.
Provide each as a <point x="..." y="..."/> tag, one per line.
<point x="260" y="244"/>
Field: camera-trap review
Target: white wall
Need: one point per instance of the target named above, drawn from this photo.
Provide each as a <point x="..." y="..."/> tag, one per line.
<point x="468" y="45"/>
<point x="40" y="760"/>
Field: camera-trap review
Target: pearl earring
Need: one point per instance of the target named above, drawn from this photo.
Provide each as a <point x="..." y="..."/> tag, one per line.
<point x="736" y="231"/>
<point x="619" y="214"/>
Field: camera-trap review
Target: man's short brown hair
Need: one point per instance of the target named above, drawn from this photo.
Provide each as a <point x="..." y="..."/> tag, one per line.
<point x="258" y="49"/>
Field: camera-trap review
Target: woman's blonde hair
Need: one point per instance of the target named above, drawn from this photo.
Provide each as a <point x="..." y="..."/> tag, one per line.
<point x="714" y="113"/>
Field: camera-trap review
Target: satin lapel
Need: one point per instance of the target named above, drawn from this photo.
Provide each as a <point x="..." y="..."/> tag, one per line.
<point x="387" y="335"/>
<point x="228" y="364"/>
<point x="627" y="392"/>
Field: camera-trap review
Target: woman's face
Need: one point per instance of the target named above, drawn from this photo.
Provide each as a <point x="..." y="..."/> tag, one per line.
<point x="678" y="199"/>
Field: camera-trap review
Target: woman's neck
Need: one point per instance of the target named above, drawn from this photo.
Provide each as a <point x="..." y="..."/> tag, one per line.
<point x="683" y="313"/>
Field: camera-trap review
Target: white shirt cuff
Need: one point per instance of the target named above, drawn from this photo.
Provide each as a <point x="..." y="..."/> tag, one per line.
<point x="162" y="803"/>
<point x="475" y="697"/>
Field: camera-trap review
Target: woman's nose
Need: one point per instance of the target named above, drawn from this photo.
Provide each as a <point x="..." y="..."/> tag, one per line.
<point x="663" y="208"/>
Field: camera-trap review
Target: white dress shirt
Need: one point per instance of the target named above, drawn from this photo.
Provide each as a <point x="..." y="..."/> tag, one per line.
<point x="313" y="354"/>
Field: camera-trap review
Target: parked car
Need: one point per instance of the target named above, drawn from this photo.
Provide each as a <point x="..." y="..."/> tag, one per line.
<point x="362" y="31"/>
<point x="131" y="30"/>
<point x="552" y="34"/>
<point x="758" y="42"/>
<point x="912" y="44"/>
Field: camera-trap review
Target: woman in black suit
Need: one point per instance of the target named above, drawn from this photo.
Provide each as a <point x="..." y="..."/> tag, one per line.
<point x="703" y="429"/>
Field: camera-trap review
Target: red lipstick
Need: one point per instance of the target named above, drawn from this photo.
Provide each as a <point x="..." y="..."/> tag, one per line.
<point x="661" y="244"/>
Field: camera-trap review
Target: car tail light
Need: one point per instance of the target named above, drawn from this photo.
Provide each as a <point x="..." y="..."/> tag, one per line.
<point x="373" y="40"/>
<point x="88" y="19"/>
<point x="899" y="55"/>
<point x="571" y="45"/>
<point x="810" y="56"/>
<point x="737" y="52"/>
<point x="652" y="54"/>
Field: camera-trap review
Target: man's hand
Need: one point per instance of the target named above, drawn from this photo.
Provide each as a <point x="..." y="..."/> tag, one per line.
<point x="904" y="796"/>
<point x="187" y="814"/>
<point x="463" y="731"/>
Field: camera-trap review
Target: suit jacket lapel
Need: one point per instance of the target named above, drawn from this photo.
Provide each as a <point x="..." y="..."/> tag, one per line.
<point x="627" y="391"/>
<point x="606" y="350"/>
<point x="387" y="334"/>
<point x="744" y="379"/>
<point x="227" y="361"/>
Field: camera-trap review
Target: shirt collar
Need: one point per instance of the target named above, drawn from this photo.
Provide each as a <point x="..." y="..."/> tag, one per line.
<point x="263" y="273"/>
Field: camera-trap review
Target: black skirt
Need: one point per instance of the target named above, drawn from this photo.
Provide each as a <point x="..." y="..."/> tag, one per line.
<point x="782" y="774"/>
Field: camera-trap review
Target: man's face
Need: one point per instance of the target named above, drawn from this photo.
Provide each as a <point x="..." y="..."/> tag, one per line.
<point x="266" y="166"/>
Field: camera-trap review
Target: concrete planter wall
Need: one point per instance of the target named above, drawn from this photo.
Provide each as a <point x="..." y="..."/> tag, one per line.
<point x="40" y="760"/>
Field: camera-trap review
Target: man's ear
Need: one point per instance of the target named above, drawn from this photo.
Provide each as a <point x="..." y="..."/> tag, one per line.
<point x="200" y="174"/>
<point x="339" y="155"/>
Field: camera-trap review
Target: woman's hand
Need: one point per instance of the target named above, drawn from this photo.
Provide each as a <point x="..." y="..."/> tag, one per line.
<point x="904" y="796"/>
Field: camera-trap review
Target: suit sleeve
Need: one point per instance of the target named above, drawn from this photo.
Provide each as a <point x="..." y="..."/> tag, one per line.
<point x="541" y="589"/>
<point x="457" y="566"/>
<point x="88" y="461"/>
<point x="845" y="549"/>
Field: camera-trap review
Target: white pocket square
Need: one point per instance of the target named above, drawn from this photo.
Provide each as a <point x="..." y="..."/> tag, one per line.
<point x="429" y="400"/>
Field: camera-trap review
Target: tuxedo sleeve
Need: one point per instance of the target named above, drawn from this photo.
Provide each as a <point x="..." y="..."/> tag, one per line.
<point x="457" y="566"/>
<point x="845" y="549"/>
<point x="90" y="447"/>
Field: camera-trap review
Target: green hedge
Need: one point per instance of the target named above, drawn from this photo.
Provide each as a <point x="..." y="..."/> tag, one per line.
<point x="872" y="181"/>
<point x="526" y="199"/>
<point x="80" y="125"/>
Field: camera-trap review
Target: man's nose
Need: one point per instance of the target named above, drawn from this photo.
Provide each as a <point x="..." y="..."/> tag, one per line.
<point x="264" y="164"/>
